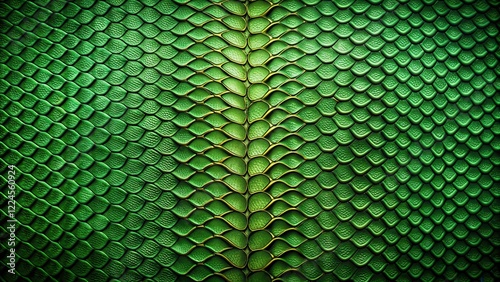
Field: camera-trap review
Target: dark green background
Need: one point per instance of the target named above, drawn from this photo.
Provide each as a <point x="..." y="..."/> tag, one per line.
<point x="252" y="141"/>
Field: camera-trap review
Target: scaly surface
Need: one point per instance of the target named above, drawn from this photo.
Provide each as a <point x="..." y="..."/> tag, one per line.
<point x="374" y="151"/>
<point x="372" y="130"/>
<point x="125" y="120"/>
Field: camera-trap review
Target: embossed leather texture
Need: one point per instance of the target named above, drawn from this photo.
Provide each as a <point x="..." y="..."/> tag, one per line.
<point x="294" y="140"/>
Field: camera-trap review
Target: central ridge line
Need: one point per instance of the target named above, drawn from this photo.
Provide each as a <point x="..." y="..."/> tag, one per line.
<point x="247" y="142"/>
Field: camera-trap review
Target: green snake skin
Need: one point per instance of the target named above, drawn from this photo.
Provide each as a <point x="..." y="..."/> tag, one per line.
<point x="225" y="140"/>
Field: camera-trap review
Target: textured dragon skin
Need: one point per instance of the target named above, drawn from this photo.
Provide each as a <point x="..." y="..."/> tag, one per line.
<point x="294" y="140"/>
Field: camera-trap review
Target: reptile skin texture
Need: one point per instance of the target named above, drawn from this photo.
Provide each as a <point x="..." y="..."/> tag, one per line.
<point x="224" y="140"/>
